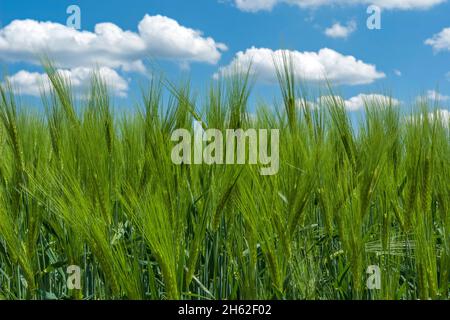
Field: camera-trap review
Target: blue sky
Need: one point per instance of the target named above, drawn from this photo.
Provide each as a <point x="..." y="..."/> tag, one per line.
<point x="393" y="60"/>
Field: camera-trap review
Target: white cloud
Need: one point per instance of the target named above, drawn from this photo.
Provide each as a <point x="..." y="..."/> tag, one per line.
<point x="440" y="41"/>
<point x="436" y="96"/>
<point x="353" y="104"/>
<point x="31" y="83"/>
<point x="166" y="38"/>
<point x="398" y="73"/>
<point x="338" y="30"/>
<point x="303" y="103"/>
<point x="440" y="114"/>
<point x="108" y="45"/>
<point x="258" y="5"/>
<point x="28" y="83"/>
<point x="311" y="66"/>
<point x="358" y="102"/>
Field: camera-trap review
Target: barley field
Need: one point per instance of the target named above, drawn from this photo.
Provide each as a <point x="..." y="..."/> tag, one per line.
<point x="83" y="185"/>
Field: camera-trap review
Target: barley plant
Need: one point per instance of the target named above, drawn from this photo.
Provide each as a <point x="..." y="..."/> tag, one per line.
<point x="83" y="184"/>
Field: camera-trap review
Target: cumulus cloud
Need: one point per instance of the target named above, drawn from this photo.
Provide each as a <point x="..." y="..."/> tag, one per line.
<point x="442" y="115"/>
<point x="352" y="104"/>
<point x="28" y="83"/>
<point x="108" y="45"/>
<point x="440" y="41"/>
<point x="32" y="83"/>
<point x="338" y="30"/>
<point x="358" y="102"/>
<point x="258" y="5"/>
<point x="310" y="66"/>
<point x="432" y="96"/>
<point x="436" y="96"/>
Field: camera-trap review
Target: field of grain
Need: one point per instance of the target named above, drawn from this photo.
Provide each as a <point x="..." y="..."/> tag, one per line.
<point x="85" y="186"/>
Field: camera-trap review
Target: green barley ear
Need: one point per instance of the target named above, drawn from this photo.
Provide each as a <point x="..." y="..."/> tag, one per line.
<point x="286" y="79"/>
<point x="99" y="102"/>
<point x="225" y="197"/>
<point x="62" y="88"/>
<point x="8" y="116"/>
<point x="238" y="87"/>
